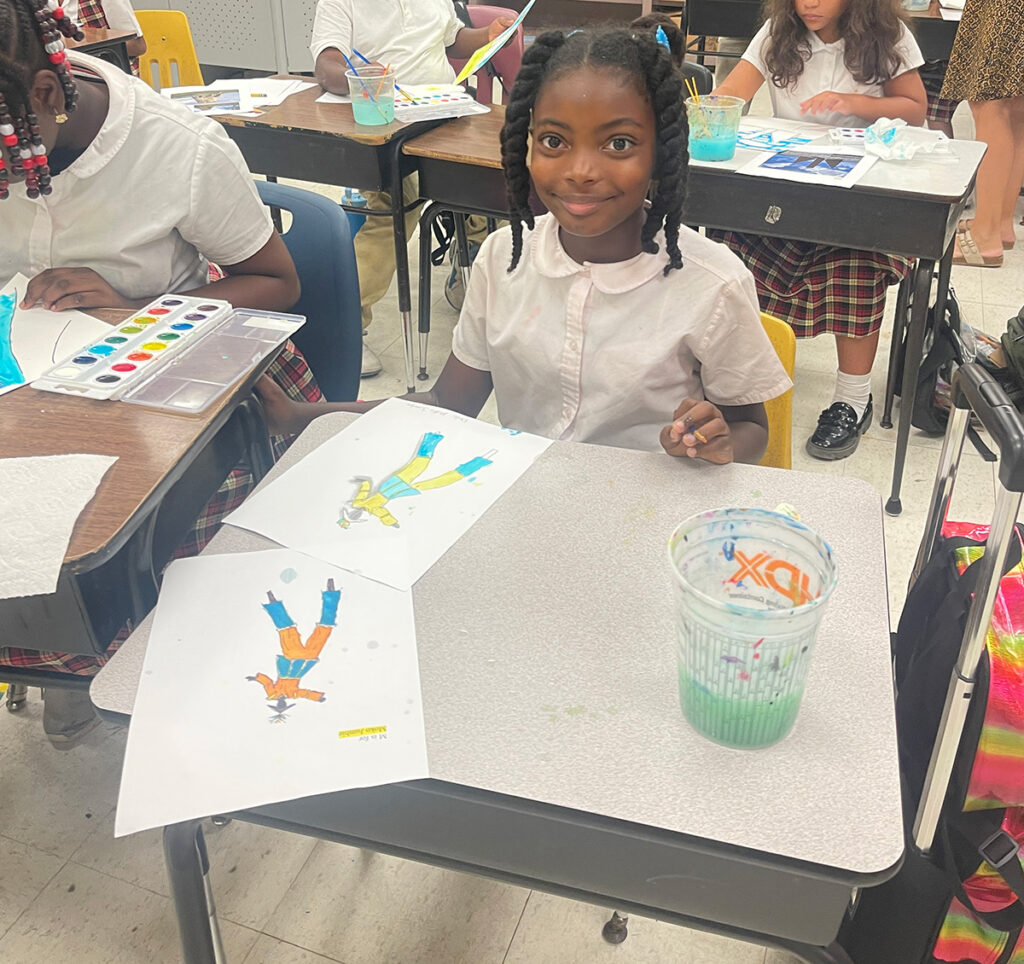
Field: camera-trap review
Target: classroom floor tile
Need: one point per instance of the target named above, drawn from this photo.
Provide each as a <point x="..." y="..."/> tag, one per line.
<point x="26" y="871"/>
<point x="367" y="908"/>
<point x="269" y="950"/>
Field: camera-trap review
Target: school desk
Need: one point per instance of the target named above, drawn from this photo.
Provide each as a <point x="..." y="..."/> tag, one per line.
<point x="308" y="141"/>
<point x="168" y="465"/>
<point x="908" y="208"/>
<point x="559" y="756"/>
<point x="108" y="45"/>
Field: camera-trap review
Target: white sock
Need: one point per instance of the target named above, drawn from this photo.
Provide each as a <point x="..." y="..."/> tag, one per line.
<point x="855" y="390"/>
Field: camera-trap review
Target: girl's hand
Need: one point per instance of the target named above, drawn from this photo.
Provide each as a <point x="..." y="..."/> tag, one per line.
<point x="828" y="101"/>
<point x="498" y="27"/>
<point x="59" y="289"/>
<point x="698" y="431"/>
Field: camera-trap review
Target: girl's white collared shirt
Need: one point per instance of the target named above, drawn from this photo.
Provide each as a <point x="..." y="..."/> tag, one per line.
<point x="825" y="70"/>
<point x="606" y="352"/>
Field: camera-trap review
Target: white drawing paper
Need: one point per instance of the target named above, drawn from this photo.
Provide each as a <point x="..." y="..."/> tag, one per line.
<point x="40" y="501"/>
<point x="33" y="340"/>
<point x="269" y="676"/>
<point x="838" y="166"/>
<point x="388" y="496"/>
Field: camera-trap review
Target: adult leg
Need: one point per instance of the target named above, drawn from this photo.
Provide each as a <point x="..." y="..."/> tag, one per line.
<point x="1016" y="178"/>
<point x="992" y="123"/>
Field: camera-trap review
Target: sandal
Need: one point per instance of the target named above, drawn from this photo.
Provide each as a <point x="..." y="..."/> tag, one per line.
<point x="968" y="253"/>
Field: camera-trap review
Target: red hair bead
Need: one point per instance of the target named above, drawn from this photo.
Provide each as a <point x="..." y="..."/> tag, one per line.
<point x="58" y="13"/>
<point x="11" y="140"/>
<point x="58" y="58"/>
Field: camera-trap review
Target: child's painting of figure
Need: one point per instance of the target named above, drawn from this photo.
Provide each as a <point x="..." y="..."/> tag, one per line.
<point x="335" y="661"/>
<point x="389" y="495"/>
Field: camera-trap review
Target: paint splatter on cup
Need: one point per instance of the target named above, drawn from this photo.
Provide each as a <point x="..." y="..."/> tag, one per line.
<point x="750" y="589"/>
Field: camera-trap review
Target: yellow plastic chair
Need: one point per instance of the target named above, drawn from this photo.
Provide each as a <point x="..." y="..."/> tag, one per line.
<point x="779" y="453"/>
<point x="170" y="48"/>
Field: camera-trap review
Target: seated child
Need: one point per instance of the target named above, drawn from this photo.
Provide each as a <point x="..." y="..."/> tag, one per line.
<point x="844" y="63"/>
<point x="114" y="15"/>
<point x="607" y="321"/>
<point x="109" y="196"/>
<point x="416" y="41"/>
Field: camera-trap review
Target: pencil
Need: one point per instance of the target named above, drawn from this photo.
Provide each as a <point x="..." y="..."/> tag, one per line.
<point x="699" y="436"/>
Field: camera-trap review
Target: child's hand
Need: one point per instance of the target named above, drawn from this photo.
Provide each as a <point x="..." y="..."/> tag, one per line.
<point x="59" y="289"/>
<point x="498" y="27"/>
<point x="828" y="101"/>
<point x="698" y="431"/>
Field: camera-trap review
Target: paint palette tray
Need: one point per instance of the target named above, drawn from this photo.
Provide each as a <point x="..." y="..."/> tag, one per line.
<point x="435" y="102"/>
<point x="179" y="353"/>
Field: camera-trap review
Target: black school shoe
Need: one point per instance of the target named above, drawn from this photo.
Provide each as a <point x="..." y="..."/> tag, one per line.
<point x="838" y="432"/>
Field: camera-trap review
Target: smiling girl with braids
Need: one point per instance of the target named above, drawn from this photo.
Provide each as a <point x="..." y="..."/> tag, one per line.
<point x="111" y="195"/>
<point x="606" y="316"/>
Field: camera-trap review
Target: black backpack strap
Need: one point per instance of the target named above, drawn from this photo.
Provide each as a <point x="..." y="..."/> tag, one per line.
<point x="1001" y="853"/>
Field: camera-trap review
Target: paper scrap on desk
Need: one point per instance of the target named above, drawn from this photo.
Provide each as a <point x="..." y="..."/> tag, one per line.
<point x="950" y="14"/>
<point x="836" y="166"/>
<point x="246" y="700"/>
<point x="40" y="501"/>
<point x="328" y="98"/>
<point x="389" y="495"/>
<point x="33" y="340"/>
<point x="488" y="50"/>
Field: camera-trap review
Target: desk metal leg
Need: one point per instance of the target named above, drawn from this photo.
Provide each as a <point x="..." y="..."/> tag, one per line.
<point x="899" y="329"/>
<point x="402" y="261"/>
<point x="430" y="216"/>
<point x="911" y="366"/>
<point x="188" y="870"/>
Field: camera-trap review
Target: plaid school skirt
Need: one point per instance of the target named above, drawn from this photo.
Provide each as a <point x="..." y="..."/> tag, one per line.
<point x="292" y="373"/>
<point x="816" y="288"/>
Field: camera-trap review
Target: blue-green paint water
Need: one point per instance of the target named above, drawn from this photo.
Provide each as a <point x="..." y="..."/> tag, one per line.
<point x="743" y="724"/>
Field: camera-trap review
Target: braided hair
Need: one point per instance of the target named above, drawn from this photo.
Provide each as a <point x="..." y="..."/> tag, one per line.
<point x="30" y="40"/>
<point x="637" y="55"/>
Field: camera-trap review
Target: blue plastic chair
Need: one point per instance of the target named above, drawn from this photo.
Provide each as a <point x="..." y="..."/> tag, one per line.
<point x="320" y="243"/>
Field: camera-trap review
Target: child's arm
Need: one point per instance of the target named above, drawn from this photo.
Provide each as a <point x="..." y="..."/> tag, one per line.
<point x="470" y="39"/>
<point x="744" y="81"/>
<point x="329" y="71"/>
<point x="730" y="433"/>
<point x="458" y="388"/>
<point x="904" y="97"/>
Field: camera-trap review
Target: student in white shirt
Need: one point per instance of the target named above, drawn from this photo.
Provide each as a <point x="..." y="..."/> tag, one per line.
<point x="843" y="63"/>
<point x="111" y="195"/>
<point x="112" y="14"/>
<point x="607" y="322"/>
<point x="414" y="37"/>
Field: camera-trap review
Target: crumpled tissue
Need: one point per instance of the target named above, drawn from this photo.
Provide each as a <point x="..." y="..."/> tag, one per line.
<point x="896" y="140"/>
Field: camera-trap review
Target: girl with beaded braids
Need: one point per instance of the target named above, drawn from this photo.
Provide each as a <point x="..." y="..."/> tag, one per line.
<point x="125" y="194"/>
<point x="113" y="195"/>
<point x="606" y="321"/>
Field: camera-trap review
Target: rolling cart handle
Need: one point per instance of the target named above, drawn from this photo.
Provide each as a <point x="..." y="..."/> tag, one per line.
<point x="974" y="390"/>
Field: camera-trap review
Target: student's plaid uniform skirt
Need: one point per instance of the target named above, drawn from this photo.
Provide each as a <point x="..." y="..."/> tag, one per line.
<point x="816" y="288"/>
<point x="292" y="373"/>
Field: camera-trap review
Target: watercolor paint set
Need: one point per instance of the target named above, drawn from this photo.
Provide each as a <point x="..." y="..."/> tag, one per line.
<point x="422" y="102"/>
<point x="179" y="353"/>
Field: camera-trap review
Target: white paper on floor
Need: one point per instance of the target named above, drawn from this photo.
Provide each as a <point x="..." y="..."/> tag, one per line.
<point x="389" y="495"/>
<point x="269" y="676"/>
<point x="40" y="501"/>
<point x="33" y="340"/>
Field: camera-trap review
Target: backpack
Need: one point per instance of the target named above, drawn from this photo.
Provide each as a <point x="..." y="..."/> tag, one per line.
<point x="964" y="901"/>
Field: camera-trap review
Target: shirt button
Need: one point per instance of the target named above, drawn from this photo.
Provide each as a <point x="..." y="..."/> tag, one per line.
<point x="573" y="345"/>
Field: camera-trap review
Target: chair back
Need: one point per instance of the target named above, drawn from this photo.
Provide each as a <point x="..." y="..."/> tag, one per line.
<point x="170" y="58"/>
<point x="700" y="75"/>
<point x="320" y="243"/>
<point x="506" y="62"/>
<point x="779" y="453"/>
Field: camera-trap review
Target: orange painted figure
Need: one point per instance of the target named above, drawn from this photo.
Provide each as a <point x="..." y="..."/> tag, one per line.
<point x="298" y="658"/>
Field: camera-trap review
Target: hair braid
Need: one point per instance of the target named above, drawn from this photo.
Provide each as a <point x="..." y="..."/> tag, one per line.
<point x="637" y="56"/>
<point x="516" y="132"/>
<point x="30" y="35"/>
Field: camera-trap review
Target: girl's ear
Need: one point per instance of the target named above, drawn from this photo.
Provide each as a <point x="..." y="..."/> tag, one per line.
<point x="47" y="94"/>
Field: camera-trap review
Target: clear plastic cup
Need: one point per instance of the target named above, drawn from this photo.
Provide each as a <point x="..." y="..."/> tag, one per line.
<point x="714" y="122"/>
<point x="750" y="589"/>
<point x="373" y="95"/>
